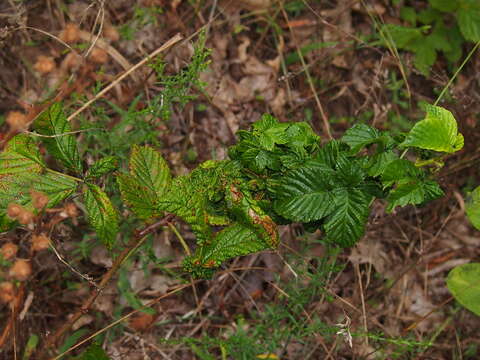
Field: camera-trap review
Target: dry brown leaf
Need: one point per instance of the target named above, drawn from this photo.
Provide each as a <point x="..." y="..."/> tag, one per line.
<point x="142" y="321"/>
<point x="370" y="252"/>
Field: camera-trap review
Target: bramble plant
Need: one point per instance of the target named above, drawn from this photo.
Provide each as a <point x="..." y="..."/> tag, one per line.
<point x="277" y="173"/>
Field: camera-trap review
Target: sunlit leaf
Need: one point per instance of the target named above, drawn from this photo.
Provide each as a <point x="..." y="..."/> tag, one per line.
<point x="438" y="132"/>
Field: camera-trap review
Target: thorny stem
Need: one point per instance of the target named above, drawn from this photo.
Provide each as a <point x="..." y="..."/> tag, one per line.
<point x="134" y="243"/>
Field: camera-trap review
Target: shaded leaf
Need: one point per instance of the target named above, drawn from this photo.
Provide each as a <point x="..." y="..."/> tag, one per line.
<point x="468" y="16"/>
<point x="464" y="283"/>
<point x="399" y="170"/>
<point x="93" y="352"/>
<point x="444" y="5"/>
<point x="413" y="193"/>
<point x="304" y="194"/>
<point x="346" y="224"/>
<point x="472" y="207"/>
<point x="361" y="135"/>
<point x="102" y="216"/>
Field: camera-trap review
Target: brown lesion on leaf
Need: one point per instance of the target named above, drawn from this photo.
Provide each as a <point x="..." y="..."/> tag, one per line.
<point x="268" y="225"/>
<point x="236" y="194"/>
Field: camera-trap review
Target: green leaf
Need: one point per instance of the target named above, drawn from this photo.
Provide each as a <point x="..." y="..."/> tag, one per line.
<point x="463" y="282"/>
<point x="409" y="14"/>
<point x="378" y="163"/>
<point x="400" y="35"/>
<point x="304" y="194"/>
<point x="346" y="224"/>
<point x="102" y="167"/>
<point x="234" y="240"/>
<point x="413" y="193"/>
<point x="72" y="340"/>
<point x="53" y="122"/>
<point x="30" y="347"/>
<point x="444" y="5"/>
<point x="141" y="200"/>
<point x="472" y="207"/>
<point x="93" y="352"/>
<point x="399" y="170"/>
<point x="150" y="169"/>
<point x="438" y="132"/>
<point x="425" y="53"/>
<point x="147" y="184"/>
<point x="360" y="135"/>
<point x="468" y="16"/>
<point x="102" y="216"/>
<point x="22" y="169"/>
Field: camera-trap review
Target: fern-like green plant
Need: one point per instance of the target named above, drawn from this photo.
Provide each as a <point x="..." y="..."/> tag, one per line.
<point x="277" y="173"/>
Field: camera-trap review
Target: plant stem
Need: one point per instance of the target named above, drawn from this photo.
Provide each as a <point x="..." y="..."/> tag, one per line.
<point x="134" y="243"/>
<point x="180" y="238"/>
<point x="456" y="73"/>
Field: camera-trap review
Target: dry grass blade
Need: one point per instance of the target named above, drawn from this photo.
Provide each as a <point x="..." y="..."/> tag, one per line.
<point x="172" y="41"/>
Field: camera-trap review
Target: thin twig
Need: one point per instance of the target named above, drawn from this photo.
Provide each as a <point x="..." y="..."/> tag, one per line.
<point x="62" y="134"/>
<point x="147" y="305"/>
<point x="323" y="115"/>
<point x="72" y="269"/>
<point x="131" y="247"/>
<point x="470" y="54"/>
<point x="162" y="48"/>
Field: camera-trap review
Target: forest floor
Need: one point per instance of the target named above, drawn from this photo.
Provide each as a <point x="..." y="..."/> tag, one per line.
<point x="316" y="61"/>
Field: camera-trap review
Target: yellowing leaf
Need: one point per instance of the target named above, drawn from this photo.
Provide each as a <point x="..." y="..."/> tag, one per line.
<point x="267" y="356"/>
<point x="438" y="132"/>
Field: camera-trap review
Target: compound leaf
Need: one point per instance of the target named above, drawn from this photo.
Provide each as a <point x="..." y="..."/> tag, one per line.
<point x="102" y="167"/>
<point x="346" y="224"/>
<point x="61" y="145"/>
<point x="473" y="208"/>
<point x="438" y="132"/>
<point x="102" y="216"/>
<point x="464" y="284"/>
<point x="304" y="194"/>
